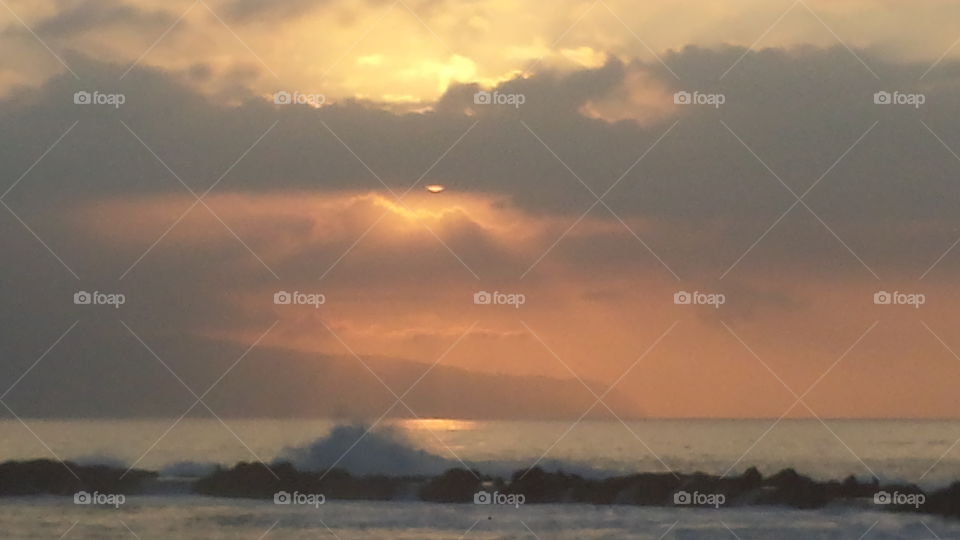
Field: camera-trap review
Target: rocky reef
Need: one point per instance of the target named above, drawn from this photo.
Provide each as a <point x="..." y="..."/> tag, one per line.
<point x="786" y="488"/>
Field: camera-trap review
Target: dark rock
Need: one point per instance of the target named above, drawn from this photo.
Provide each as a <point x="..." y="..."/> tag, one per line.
<point x="792" y="489"/>
<point x="944" y="502"/>
<point x="455" y="485"/>
<point x="44" y="476"/>
<point x="539" y="486"/>
<point x="254" y="480"/>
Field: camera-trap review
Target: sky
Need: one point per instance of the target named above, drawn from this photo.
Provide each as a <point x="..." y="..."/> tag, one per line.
<point x="787" y="196"/>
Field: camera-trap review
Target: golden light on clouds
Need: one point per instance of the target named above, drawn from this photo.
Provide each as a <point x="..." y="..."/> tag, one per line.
<point x="585" y="56"/>
<point x="386" y="52"/>
<point x="314" y="218"/>
<point x="435" y="188"/>
<point x="640" y="98"/>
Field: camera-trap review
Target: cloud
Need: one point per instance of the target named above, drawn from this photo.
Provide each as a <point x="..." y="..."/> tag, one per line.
<point x="798" y="110"/>
<point x="88" y="16"/>
<point x="307" y="197"/>
<point x="258" y="10"/>
<point x="425" y="46"/>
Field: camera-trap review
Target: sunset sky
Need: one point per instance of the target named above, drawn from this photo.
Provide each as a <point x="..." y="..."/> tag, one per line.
<point x="598" y="198"/>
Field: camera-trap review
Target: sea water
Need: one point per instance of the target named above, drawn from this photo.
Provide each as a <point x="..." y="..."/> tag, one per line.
<point x="191" y="517"/>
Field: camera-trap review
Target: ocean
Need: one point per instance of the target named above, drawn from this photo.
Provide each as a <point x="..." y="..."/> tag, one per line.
<point x="909" y="451"/>
<point x="195" y="518"/>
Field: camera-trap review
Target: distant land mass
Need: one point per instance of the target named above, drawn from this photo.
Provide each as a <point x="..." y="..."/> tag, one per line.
<point x="80" y="379"/>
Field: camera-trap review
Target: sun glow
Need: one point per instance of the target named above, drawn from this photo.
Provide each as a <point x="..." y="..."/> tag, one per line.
<point x="415" y="211"/>
<point x="442" y="424"/>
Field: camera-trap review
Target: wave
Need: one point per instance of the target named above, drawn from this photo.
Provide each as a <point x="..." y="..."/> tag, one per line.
<point x="387" y="451"/>
<point x="362" y="451"/>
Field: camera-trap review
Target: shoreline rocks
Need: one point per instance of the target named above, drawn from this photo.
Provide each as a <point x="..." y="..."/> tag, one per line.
<point x="48" y="477"/>
<point x="787" y="488"/>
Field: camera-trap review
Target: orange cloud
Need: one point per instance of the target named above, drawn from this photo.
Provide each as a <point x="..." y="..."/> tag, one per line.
<point x="400" y="293"/>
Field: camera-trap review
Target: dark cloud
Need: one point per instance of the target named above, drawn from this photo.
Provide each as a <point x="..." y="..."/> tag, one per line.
<point x="91" y="16"/>
<point x="799" y="111"/>
<point x="275" y="10"/>
<point x="889" y="198"/>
